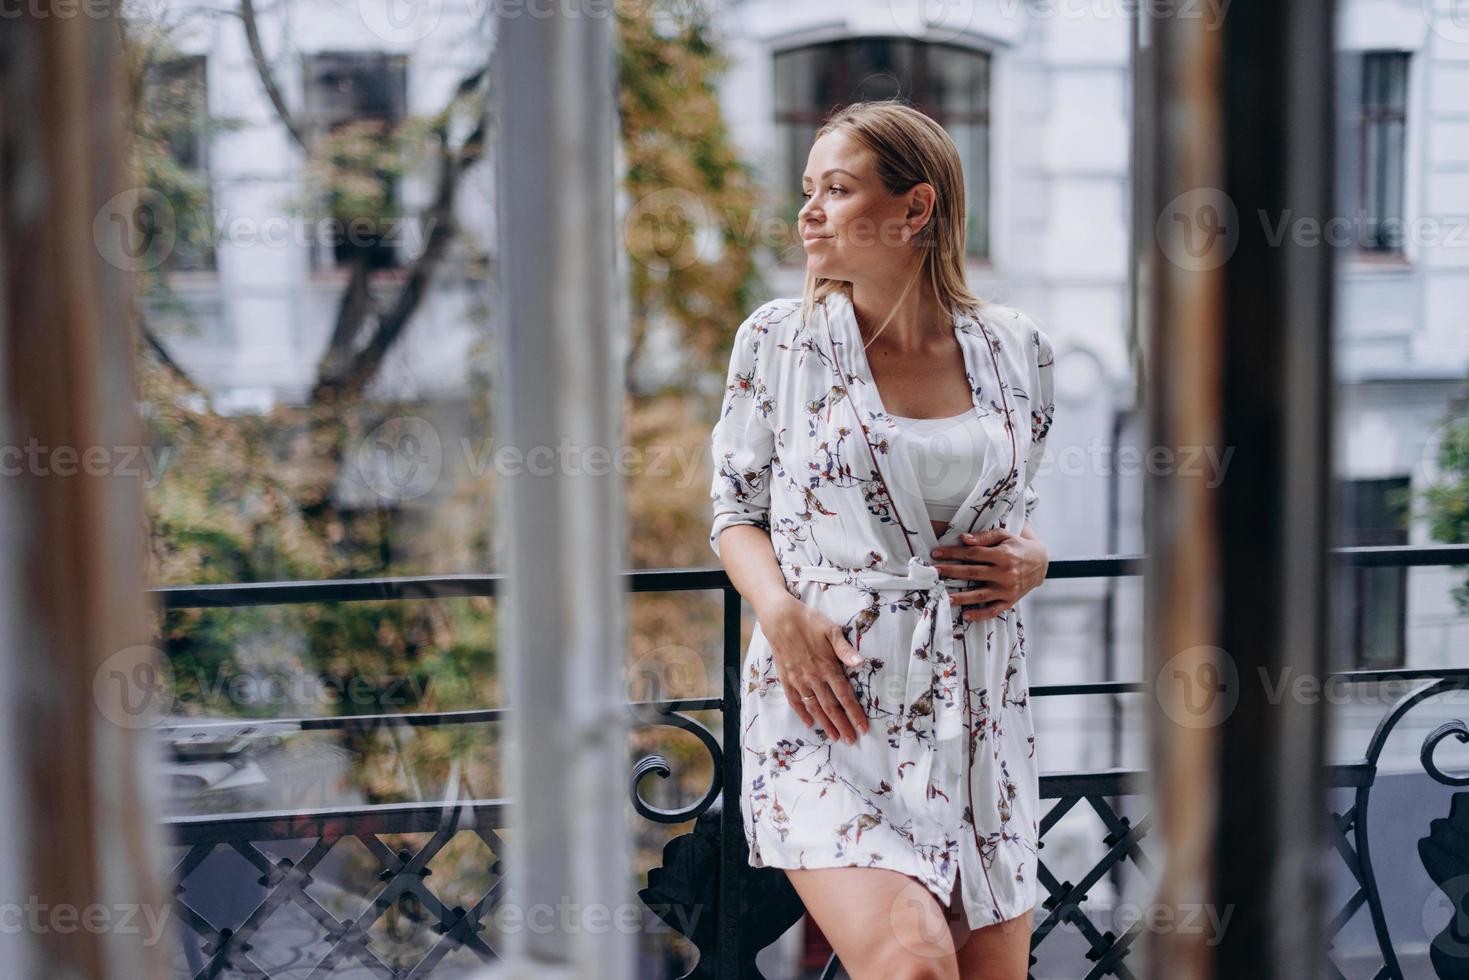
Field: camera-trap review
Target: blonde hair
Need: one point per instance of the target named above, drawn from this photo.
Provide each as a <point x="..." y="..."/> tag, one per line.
<point x="909" y="148"/>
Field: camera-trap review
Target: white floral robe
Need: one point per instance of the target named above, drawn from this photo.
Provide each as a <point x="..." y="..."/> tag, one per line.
<point x="802" y="449"/>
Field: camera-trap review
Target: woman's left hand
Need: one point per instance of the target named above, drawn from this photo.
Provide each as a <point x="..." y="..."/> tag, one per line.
<point x="1006" y="564"/>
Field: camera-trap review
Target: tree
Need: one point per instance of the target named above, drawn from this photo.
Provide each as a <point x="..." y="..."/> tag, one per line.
<point x="1446" y="501"/>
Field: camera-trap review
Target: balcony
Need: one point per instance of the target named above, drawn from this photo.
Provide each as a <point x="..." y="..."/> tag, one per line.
<point x="369" y="890"/>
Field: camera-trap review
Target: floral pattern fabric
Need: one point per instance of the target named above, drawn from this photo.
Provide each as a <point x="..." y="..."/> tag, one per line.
<point x="946" y="779"/>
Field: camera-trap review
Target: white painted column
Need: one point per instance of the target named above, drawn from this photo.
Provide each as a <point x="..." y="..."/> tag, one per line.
<point x="561" y="517"/>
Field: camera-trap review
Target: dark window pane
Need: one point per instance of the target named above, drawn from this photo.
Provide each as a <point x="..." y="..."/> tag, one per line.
<point x="1373" y="512"/>
<point x="1384" y="115"/>
<point x="176" y="113"/>
<point x="353" y="102"/>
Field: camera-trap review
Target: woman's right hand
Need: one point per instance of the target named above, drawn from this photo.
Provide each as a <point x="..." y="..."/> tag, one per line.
<point x="808" y="648"/>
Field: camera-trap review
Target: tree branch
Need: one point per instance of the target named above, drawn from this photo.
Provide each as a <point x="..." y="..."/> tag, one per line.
<point x="165" y="358"/>
<point x="345" y="376"/>
<point x="267" y="76"/>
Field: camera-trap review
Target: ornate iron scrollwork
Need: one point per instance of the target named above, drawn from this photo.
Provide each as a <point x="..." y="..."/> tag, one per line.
<point x="684" y="893"/>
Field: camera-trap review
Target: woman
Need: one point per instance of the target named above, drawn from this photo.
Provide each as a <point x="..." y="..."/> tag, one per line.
<point x="888" y="658"/>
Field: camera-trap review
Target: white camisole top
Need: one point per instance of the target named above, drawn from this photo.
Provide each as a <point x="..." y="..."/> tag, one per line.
<point x="944" y="457"/>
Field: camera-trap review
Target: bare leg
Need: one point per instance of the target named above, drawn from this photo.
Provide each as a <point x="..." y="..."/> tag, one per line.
<point x="884" y="925"/>
<point x="999" y="951"/>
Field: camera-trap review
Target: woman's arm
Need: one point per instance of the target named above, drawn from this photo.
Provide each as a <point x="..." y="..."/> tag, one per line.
<point x="749" y="560"/>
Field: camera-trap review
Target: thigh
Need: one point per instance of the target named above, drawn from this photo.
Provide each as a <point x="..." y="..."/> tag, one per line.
<point x="881" y="923"/>
<point x="999" y="951"/>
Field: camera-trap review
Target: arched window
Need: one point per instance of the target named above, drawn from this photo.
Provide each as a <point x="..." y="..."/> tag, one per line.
<point x="949" y="83"/>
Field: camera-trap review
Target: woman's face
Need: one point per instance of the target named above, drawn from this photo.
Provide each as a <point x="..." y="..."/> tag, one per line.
<point x="852" y="228"/>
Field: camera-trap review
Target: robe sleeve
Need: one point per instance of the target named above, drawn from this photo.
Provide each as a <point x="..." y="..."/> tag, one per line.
<point x="1042" y="410"/>
<point x="743" y="441"/>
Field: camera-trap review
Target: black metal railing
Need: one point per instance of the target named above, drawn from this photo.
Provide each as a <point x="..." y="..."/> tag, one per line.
<point x="751" y="907"/>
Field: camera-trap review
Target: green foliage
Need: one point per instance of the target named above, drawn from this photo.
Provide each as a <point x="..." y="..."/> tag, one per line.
<point x="694" y="229"/>
<point x="1446" y="503"/>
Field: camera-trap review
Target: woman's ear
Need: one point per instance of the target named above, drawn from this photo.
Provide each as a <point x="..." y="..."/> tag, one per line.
<point x="920" y="203"/>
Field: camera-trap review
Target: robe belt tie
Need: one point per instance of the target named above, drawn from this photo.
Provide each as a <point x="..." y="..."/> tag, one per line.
<point x="932" y="719"/>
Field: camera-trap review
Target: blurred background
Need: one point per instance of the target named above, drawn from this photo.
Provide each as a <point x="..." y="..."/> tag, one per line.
<point x="310" y="233"/>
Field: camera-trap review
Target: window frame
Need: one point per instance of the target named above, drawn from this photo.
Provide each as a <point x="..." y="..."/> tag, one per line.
<point x="184" y="261"/>
<point x="1359" y="580"/>
<point x="385" y="256"/>
<point x="1372" y="118"/>
<point x="920" y="97"/>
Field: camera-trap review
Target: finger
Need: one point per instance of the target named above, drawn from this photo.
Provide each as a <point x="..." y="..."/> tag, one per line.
<point x="988" y="537"/>
<point x="965" y="570"/>
<point x="844" y="650"/>
<point x="852" y="705"/>
<point x="810" y="710"/>
<point x="823" y="718"/>
<point x="973" y="597"/>
<point x="987" y="611"/>
<point x="793" y="697"/>
<point x="832" y="708"/>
